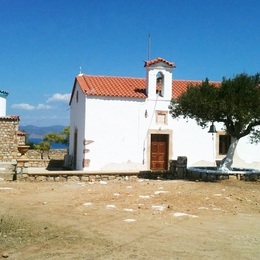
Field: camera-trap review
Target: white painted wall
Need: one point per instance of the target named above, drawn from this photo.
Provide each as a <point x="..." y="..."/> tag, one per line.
<point x="114" y="126"/>
<point x="201" y="147"/>
<point x="192" y="141"/>
<point x="119" y="130"/>
<point x="77" y="122"/>
<point x="2" y="104"/>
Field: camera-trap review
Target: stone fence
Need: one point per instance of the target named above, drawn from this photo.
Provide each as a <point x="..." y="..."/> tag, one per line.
<point x="57" y="154"/>
<point x="38" y="159"/>
<point x="77" y="177"/>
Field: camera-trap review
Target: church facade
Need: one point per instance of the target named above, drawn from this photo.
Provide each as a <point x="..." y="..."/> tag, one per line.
<point x="123" y="124"/>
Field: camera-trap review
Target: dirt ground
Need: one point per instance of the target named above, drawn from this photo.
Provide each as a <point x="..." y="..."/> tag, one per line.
<point x="141" y="219"/>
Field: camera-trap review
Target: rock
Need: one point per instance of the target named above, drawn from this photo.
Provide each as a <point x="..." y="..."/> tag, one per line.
<point x="5" y="255"/>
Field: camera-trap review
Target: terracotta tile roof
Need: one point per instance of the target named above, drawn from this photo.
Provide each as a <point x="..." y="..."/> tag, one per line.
<point x="9" y="118"/>
<point x="158" y="60"/>
<point x="127" y="87"/>
<point x="112" y="86"/>
<point x="180" y="86"/>
<point x="21" y="133"/>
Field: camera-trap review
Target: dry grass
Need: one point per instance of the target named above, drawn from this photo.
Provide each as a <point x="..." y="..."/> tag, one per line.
<point x="16" y="232"/>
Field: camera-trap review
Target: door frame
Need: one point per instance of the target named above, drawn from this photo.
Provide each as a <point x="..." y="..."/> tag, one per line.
<point x="148" y="148"/>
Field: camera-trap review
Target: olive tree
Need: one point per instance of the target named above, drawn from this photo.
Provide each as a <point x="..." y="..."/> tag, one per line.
<point x="62" y="137"/>
<point x="48" y="139"/>
<point x="235" y="102"/>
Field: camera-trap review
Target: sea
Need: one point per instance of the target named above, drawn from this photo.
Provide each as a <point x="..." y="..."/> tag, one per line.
<point x="53" y="145"/>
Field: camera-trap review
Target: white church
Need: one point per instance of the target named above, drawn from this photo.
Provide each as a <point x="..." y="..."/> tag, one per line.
<point x="123" y="124"/>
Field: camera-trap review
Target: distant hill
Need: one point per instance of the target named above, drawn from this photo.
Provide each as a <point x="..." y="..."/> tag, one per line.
<point x="37" y="132"/>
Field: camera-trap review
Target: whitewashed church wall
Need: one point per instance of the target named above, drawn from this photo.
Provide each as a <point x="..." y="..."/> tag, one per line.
<point x="192" y="141"/>
<point x="77" y="123"/>
<point x="120" y="129"/>
<point x="200" y="147"/>
<point x="120" y="132"/>
<point x="114" y="127"/>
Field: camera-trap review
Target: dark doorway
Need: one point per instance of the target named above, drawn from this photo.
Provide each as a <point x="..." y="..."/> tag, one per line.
<point x="75" y="149"/>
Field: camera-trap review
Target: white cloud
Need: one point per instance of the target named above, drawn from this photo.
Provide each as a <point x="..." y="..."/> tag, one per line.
<point x="25" y="106"/>
<point x="43" y="107"/>
<point x="57" y="97"/>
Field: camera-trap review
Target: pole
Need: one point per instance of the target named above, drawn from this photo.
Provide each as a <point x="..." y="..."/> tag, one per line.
<point x="149" y="46"/>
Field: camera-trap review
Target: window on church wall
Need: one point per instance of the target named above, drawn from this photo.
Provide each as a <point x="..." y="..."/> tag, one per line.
<point x="159" y="84"/>
<point x="161" y="117"/>
<point x="224" y="143"/>
<point x="77" y="97"/>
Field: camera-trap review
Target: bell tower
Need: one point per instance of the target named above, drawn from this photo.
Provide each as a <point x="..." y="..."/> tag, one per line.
<point x="159" y="79"/>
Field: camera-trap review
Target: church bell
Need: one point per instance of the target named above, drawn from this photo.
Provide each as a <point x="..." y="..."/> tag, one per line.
<point x="212" y="129"/>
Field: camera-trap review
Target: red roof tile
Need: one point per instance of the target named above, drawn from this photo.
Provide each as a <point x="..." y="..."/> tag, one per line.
<point x="158" y="60"/>
<point x="10" y="118"/>
<point x="124" y="86"/>
<point x="112" y="86"/>
<point x="180" y="86"/>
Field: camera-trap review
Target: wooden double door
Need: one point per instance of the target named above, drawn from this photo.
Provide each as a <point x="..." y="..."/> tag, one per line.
<point x="159" y="152"/>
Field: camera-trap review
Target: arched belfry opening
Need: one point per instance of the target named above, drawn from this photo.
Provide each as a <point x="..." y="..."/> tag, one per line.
<point x="159" y="79"/>
<point x="160" y="84"/>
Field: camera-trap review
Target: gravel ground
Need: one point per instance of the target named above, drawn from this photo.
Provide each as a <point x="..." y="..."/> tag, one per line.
<point x="141" y="219"/>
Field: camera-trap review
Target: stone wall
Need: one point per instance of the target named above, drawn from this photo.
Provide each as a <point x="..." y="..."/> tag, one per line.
<point x="52" y="159"/>
<point x="57" y="154"/>
<point x="21" y="138"/>
<point x="8" y="138"/>
<point x="77" y="177"/>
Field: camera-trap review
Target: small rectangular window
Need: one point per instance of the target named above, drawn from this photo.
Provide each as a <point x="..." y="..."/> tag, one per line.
<point x="224" y="143"/>
<point x="161" y="117"/>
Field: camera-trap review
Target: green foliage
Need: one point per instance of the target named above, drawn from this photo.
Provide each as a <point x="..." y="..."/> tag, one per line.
<point x="255" y="136"/>
<point x="62" y="137"/>
<point x="65" y="133"/>
<point x="50" y="138"/>
<point x="31" y="145"/>
<point x="43" y="146"/>
<point x="198" y="102"/>
<point x="235" y="102"/>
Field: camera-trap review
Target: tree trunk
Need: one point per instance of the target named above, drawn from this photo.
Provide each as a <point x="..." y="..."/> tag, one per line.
<point x="227" y="162"/>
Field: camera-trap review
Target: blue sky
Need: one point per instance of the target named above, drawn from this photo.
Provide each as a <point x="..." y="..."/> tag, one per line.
<point x="43" y="43"/>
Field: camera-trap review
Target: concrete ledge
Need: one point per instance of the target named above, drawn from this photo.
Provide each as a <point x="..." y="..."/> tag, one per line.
<point x="43" y="174"/>
<point x="62" y="172"/>
<point x="92" y="177"/>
